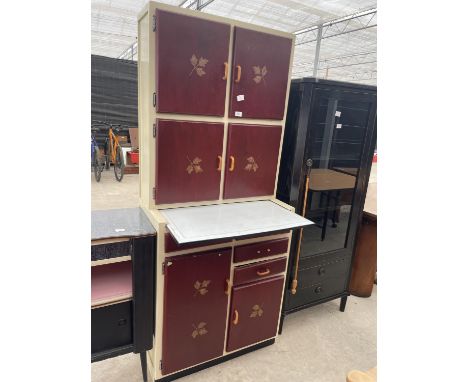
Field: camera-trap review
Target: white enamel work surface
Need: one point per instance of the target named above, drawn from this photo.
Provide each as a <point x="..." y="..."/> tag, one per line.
<point x="189" y="224"/>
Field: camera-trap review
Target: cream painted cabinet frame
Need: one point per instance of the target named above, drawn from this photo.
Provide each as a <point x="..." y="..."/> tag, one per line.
<point x="230" y="72"/>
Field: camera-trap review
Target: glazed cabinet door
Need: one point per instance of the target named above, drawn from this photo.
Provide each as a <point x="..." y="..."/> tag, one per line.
<point x="254" y="312"/>
<point x="188" y="161"/>
<point x="195" y="305"/>
<point x="251" y="160"/>
<point x="191" y="64"/>
<point x="260" y="71"/>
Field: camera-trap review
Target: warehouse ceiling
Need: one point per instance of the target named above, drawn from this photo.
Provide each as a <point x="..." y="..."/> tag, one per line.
<point x="347" y="30"/>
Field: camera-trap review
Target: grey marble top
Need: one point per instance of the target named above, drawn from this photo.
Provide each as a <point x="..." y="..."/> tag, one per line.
<point x="122" y="222"/>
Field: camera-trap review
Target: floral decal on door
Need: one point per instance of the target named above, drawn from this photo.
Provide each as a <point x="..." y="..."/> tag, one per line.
<point x="257" y="311"/>
<point x="251" y="165"/>
<point x="201" y="287"/>
<point x="198" y="64"/>
<point x="199" y="330"/>
<point x="194" y="165"/>
<point x="259" y="74"/>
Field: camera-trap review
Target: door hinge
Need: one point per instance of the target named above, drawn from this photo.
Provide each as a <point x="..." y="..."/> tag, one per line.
<point x="154" y="193"/>
<point x="154" y="23"/>
<point x="154" y="130"/>
<point x="154" y="99"/>
<point x="165" y="265"/>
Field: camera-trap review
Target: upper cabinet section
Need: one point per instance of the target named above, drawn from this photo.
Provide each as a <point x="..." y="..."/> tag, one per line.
<point x="260" y="71"/>
<point x="191" y="64"/>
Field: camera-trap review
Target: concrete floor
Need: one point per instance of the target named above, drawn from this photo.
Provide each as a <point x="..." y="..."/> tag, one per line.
<point x="318" y="344"/>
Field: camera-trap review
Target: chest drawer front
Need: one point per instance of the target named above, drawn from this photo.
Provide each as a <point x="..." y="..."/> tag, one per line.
<point x="110" y="250"/>
<point x="323" y="269"/>
<point x="258" y="271"/>
<point x="171" y="245"/>
<point x="262" y="249"/>
<point x="111" y="327"/>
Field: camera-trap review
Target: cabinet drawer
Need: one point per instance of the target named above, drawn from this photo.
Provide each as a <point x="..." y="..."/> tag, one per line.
<point x="258" y="271"/>
<point x="111" y="327"/>
<point x="262" y="249"/>
<point x="323" y="289"/>
<point x="316" y="270"/>
<point x="110" y="250"/>
<point x="171" y="245"/>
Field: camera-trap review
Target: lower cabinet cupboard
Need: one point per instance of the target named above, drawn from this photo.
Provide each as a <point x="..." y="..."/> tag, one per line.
<point x="195" y="306"/>
<point x="254" y="313"/>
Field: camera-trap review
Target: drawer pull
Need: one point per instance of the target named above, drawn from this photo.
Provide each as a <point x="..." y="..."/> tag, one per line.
<point x="318" y="290"/>
<point x="220" y="159"/>
<point x="321" y="271"/>
<point x="264" y="273"/>
<point x="228" y="287"/>
<point x="239" y="73"/>
<point x="233" y="162"/>
<point x="225" y="71"/>
<point x="236" y="317"/>
<point x="268" y="250"/>
<point x="122" y="322"/>
<point x="259" y="252"/>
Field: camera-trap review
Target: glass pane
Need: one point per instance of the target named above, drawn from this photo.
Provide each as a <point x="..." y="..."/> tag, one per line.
<point x="334" y="144"/>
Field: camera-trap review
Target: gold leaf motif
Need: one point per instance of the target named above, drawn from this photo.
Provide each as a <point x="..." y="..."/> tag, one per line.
<point x="259" y="74"/>
<point x="199" y="329"/>
<point x="194" y="165"/>
<point x="201" y="287"/>
<point x="251" y="165"/>
<point x="198" y="65"/>
<point x="257" y="311"/>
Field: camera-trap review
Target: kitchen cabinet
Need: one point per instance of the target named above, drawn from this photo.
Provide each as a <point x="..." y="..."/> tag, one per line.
<point x="191" y="64"/>
<point x="188" y="161"/>
<point x="195" y="305"/>
<point x="251" y="160"/>
<point x="254" y="313"/>
<point x="260" y="70"/>
<point x="328" y="146"/>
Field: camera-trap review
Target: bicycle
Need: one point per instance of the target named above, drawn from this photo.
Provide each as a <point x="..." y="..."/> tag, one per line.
<point x="113" y="150"/>
<point x="96" y="160"/>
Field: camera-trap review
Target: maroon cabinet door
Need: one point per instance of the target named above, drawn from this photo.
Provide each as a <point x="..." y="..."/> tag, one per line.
<point x="254" y="312"/>
<point x="188" y="161"/>
<point x="260" y="72"/>
<point x="190" y="64"/>
<point x="195" y="304"/>
<point x="251" y="160"/>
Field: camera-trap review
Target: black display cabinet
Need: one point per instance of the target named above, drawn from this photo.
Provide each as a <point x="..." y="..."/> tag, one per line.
<point x="326" y="160"/>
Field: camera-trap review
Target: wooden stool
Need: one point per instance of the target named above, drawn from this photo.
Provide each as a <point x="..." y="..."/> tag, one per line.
<point x="360" y="376"/>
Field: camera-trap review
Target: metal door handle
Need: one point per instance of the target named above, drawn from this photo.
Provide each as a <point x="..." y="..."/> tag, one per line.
<point x="219" y="162"/>
<point x="236" y="317"/>
<point x="264" y="273"/>
<point x="239" y="73"/>
<point x="225" y="70"/>
<point x="233" y="162"/>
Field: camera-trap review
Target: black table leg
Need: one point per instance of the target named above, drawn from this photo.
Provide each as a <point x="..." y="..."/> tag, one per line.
<point x="337" y="200"/>
<point x="144" y="366"/>
<point x="343" y="303"/>
<point x="325" y="217"/>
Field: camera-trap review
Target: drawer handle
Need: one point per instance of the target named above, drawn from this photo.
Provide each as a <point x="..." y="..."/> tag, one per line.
<point x="225" y="71"/>
<point x="318" y="290"/>
<point x="264" y="273"/>
<point x="268" y="250"/>
<point x="321" y="271"/>
<point x="233" y="162"/>
<point x="122" y="322"/>
<point x="228" y="287"/>
<point x="239" y="73"/>
<point x="219" y="162"/>
<point x="236" y="317"/>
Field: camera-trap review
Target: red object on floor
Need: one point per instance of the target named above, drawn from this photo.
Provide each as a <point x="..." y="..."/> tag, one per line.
<point x="134" y="157"/>
<point x="374" y="159"/>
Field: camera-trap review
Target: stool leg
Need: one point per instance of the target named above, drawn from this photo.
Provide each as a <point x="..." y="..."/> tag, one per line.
<point x="144" y="366"/>
<point x="343" y="303"/>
